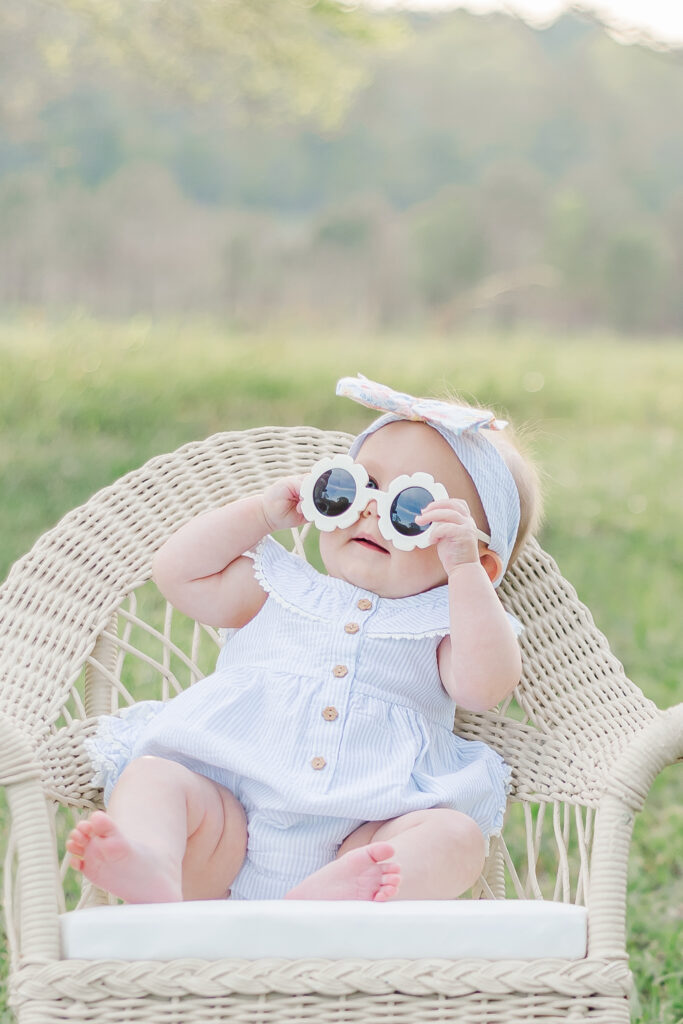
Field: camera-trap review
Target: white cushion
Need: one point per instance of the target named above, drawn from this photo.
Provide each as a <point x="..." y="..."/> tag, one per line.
<point x="294" y="929"/>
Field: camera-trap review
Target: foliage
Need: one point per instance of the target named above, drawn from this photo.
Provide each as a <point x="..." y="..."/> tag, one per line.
<point x="275" y="57"/>
<point x="487" y="173"/>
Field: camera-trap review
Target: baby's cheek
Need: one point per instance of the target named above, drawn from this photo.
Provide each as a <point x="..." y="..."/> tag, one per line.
<point x="428" y="569"/>
<point x="328" y="545"/>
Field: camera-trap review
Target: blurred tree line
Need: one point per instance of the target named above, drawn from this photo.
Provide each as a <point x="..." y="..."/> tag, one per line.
<point x="481" y="170"/>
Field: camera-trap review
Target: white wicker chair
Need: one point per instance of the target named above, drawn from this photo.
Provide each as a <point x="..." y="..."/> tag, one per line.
<point x="80" y="628"/>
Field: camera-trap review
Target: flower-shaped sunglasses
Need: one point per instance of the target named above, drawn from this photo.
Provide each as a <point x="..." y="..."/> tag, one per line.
<point x="337" y="490"/>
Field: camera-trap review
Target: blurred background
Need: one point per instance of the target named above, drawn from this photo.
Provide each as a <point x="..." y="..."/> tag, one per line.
<point x="212" y="209"/>
<point x="321" y="165"/>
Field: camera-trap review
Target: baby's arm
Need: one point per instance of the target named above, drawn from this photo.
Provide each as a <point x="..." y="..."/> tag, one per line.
<point x="201" y="569"/>
<point x="479" y="663"/>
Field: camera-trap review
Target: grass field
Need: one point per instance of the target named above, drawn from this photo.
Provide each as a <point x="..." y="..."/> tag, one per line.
<point x="82" y="402"/>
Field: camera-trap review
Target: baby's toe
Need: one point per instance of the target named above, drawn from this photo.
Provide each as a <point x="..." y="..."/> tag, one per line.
<point x="83" y="828"/>
<point x="380" y="851"/>
<point x="385" y="892"/>
<point x="101" y="825"/>
<point x="75" y="843"/>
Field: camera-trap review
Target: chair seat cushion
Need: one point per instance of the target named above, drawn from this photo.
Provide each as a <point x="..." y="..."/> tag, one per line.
<point x="298" y="929"/>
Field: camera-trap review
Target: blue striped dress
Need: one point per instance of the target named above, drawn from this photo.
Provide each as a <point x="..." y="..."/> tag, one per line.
<point x="324" y="712"/>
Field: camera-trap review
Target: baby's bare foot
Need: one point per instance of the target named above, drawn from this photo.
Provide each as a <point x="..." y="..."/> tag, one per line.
<point x="135" y="873"/>
<point x="362" y="874"/>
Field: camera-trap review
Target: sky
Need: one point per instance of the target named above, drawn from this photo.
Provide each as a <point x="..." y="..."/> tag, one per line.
<point x="661" y="19"/>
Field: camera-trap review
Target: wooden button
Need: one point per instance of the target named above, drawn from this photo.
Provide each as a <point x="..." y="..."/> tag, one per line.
<point x="365" y="604"/>
<point x="351" y="627"/>
<point x="318" y="763"/>
<point x="340" y="671"/>
<point x="330" y="713"/>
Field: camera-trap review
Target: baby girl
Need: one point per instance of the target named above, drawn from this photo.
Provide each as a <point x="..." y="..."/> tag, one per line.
<point x="318" y="760"/>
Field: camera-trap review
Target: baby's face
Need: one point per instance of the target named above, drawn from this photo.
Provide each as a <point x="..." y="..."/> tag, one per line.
<point x="360" y="554"/>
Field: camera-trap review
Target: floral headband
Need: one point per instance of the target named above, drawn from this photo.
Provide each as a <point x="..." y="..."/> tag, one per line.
<point x="457" y="418"/>
<point x="465" y="430"/>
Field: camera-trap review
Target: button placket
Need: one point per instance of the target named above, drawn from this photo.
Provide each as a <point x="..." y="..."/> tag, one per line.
<point x="343" y="669"/>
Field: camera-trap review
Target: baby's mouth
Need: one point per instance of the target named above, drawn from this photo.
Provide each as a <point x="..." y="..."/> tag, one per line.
<point x="367" y="542"/>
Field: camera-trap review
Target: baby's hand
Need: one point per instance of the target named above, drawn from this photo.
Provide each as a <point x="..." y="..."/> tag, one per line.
<point x="281" y="503"/>
<point x="454" y="531"/>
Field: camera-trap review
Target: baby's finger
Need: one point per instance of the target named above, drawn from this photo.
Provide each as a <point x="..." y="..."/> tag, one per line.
<point x="458" y="503"/>
<point x="454" y="543"/>
<point x="452" y="531"/>
<point x="448" y="504"/>
<point x="444" y="515"/>
<point x="293" y="484"/>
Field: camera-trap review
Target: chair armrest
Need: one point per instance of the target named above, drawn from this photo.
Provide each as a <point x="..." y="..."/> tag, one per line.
<point x="32" y="906"/>
<point x="659" y="744"/>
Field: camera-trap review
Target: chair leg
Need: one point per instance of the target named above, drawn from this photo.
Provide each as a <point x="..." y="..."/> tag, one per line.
<point x="38" y="872"/>
<point x="609" y="870"/>
<point x="493" y="874"/>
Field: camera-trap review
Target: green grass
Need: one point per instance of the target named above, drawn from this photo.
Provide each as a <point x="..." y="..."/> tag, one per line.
<point x="82" y="402"/>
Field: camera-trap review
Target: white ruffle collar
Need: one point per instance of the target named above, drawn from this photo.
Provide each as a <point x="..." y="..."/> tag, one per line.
<point x="299" y="587"/>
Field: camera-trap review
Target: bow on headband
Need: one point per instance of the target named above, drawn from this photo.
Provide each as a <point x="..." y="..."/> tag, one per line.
<point x="456" y="418"/>
<point x="465" y="430"/>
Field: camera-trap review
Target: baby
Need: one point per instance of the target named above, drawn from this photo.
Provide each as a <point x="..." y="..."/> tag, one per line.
<point x="318" y="760"/>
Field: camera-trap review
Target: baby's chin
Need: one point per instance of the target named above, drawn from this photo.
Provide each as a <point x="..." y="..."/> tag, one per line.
<point x="387" y="588"/>
<point x="391" y="574"/>
<point x="361" y="579"/>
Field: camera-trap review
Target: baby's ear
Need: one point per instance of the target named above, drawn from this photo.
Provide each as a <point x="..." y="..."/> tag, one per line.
<point x="493" y="565"/>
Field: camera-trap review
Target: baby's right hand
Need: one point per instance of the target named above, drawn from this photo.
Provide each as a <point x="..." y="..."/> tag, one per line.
<point x="281" y="503"/>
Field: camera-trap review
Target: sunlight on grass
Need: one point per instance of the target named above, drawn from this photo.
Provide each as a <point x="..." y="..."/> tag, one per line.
<point x="82" y="402"/>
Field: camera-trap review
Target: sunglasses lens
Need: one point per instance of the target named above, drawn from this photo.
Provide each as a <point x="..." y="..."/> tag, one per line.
<point x="333" y="492"/>
<point x="406" y="506"/>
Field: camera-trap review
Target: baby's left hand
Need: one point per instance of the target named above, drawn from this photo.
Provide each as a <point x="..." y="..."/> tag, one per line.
<point x="454" y="532"/>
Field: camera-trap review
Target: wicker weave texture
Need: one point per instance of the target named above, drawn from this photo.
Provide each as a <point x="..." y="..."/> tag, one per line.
<point x="83" y="633"/>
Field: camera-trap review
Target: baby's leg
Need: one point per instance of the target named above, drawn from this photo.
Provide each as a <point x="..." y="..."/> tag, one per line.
<point x="440" y="852"/>
<point x="169" y="834"/>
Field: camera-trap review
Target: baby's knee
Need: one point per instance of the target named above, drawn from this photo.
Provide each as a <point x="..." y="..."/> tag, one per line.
<point x="461" y="831"/>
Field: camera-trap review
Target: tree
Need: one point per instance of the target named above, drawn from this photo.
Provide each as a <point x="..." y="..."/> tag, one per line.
<point x="633" y="272"/>
<point x="449" y="248"/>
<point x="284" y="58"/>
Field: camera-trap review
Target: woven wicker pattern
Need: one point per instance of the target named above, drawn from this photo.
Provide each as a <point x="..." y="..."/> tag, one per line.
<point x="84" y="633"/>
<point x="95" y="981"/>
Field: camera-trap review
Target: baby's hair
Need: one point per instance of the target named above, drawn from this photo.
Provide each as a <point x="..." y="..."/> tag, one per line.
<point x="514" y="450"/>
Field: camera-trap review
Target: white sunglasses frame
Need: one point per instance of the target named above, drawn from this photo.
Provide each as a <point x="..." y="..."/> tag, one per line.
<point x="365" y="494"/>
